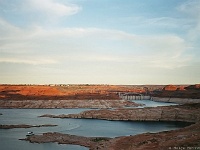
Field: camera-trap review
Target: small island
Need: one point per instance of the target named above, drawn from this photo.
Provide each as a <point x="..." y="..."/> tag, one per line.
<point x="25" y="126"/>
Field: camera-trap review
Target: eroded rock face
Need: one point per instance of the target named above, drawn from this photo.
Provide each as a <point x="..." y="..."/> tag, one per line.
<point x="170" y="88"/>
<point x="88" y="96"/>
<point x="175" y="100"/>
<point x="65" y="92"/>
<point x="188" y="113"/>
<point x="179" y="91"/>
<point x="66" y="104"/>
<point x="175" y="87"/>
<point x="193" y="87"/>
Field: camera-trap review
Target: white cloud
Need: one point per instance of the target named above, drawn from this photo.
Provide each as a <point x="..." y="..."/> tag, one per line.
<point x="53" y="8"/>
<point x="191" y="10"/>
<point x="90" y="44"/>
<point x="7" y="29"/>
<point x="190" y="7"/>
<point x="164" y="22"/>
<point x="33" y="12"/>
<point x="30" y="60"/>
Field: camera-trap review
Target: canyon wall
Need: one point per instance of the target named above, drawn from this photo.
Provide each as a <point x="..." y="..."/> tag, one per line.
<point x="175" y="100"/>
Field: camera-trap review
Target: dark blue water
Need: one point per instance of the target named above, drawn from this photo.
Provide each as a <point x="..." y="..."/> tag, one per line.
<point x="84" y="127"/>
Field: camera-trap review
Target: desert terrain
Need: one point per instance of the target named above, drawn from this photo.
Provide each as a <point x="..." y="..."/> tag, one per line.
<point x="108" y="96"/>
<point x="89" y="96"/>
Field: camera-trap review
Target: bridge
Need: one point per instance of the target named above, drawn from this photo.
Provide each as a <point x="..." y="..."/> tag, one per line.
<point x="134" y="96"/>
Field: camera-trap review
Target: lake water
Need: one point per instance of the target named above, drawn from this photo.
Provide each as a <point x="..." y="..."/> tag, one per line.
<point x="150" y="103"/>
<point x="84" y="127"/>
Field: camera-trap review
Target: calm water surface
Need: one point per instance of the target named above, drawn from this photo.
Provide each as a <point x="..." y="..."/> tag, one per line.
<point x="84" y="127"/>
<point x="149" y="103"/>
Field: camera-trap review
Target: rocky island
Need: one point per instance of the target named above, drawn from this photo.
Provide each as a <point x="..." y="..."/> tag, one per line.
<point x="186" y="113"/>
<point x="25" y="126"/>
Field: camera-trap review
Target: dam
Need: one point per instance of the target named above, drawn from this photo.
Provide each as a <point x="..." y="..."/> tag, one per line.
<point x="134" y="96"/>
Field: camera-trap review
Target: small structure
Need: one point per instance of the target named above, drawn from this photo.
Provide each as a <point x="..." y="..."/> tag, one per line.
<point x="29" y="133"/>
<point x="134" y="96"/>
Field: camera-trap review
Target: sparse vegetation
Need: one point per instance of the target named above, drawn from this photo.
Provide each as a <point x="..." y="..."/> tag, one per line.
<point x="99" y="139"/>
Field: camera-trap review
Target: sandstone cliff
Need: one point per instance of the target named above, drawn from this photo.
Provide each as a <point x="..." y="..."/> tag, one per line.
<point x="68" y="92"/>
<point x="179" y="91"/>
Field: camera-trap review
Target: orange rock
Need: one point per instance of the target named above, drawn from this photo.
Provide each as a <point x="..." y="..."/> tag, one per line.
<point x="170" y="88"/>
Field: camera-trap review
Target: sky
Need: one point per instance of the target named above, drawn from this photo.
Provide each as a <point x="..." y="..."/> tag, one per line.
<point x="99" y="41"/>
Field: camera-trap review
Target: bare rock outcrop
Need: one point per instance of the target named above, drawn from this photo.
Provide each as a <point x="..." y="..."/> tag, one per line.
<point x="64" y="92"/>
<point x="91" y="142"/>
<point x="188" y="113"/>
<point x="179" y="91"/>
<point x="175" y="100"/>
<point x="170" y="88"/>
<point x="66" y="104"/>
<point x="193" y="87"/>
<point x="25" y="126"/>
<point x="187" y="137"/>
<point x="184" y="138"/>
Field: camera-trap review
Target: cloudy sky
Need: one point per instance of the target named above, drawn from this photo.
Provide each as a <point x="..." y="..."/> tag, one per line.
<point x="100" y="41"/>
